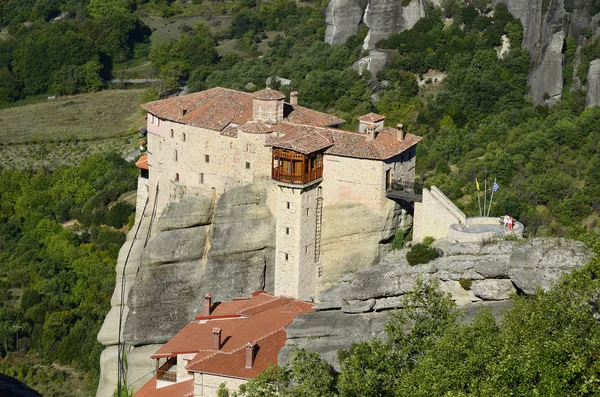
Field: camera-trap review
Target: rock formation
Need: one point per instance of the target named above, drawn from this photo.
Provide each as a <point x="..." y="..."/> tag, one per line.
<point x="356" y="309"/>
<point x="195" y="246"/>
<point x="593" y="84"/>
<point x="382" y="17"/>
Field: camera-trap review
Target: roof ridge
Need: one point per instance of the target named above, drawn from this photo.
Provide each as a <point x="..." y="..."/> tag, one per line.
<point x="261" y="304"/>
<point x="217" y="352"/>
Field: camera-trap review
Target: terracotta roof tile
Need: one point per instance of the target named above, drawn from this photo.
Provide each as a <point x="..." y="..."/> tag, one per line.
<point x="268" y="94"/>
<point x="258" y="319"/>
<point x="234" y="363"/>
<point x="256" y="127"/>
<point x="217" y="107"/>
<point x="214" y="109"/>
<point x="302" y="138"/>
<point x="301" y="115"/>
<point x="231" y="130"/>
<point x="371" y="118"/>
<point x="178" y="389"/>
<point x="142" y="162"/>
<point x="384" y="146"/>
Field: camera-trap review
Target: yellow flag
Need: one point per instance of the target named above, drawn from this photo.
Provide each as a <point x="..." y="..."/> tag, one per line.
<point x="477" y="183"/>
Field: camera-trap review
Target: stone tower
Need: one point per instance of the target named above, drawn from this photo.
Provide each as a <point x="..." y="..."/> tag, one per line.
<point x="297" y="240"/>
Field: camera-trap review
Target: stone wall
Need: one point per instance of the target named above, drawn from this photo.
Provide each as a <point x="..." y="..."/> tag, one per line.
<point x="434" y="215"/>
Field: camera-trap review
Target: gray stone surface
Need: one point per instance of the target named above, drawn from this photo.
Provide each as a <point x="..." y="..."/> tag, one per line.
<point x="388" y="16"/>
<point x="592" y="97"/>
<point x="546" y="78"/>
<point x="374" y="62"/>
<point x="493" y="290"/>
<point x="190" y="211"/>
<point x="177" y="245"/>
<point x="343" y="18"/>
<point x="357" y="307"/>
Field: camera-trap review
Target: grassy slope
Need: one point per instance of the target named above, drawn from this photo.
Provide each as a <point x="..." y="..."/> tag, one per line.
<point x="67" y="129"/>
<point x="80" y="117"/>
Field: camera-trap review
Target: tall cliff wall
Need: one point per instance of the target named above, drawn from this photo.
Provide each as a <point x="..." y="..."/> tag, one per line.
<point x="546" y="24"/>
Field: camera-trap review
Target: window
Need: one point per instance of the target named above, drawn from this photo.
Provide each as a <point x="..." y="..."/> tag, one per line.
<point x="287" y="230"/>
<point x="247" y="165"/>
<point x="307" y="213"/>
<point x="182" y="136"/>
<point x="176" y="155"/>
<point x="151" y="118"/>
<point x="172" y="133"/>
<point x="306" y="249"/>
<point x="259" y="112"/>
<point x="201" y="177"/>
<point x="269" y="114"/>
<point x="288" y="205"/>
<point x="285" y="256"/>
<point x="177" y="177"/>
<point x="158" y="121"/>
<point x="206" y="158"/>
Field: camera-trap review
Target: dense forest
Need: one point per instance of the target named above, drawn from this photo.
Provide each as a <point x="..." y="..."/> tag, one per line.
<point x="55" y="281"/>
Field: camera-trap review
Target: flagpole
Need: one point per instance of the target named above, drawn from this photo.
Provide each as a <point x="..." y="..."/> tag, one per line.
<point x="484" y="195"/>
<point x="478" y="196"/>
<point x="491" y="198"/>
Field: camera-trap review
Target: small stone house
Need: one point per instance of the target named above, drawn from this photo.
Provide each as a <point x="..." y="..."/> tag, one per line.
<point x="328" y="188"/>
<point x="229" y="342"/>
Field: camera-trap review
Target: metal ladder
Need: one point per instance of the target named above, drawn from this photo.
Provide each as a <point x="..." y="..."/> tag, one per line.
<point x="319" y="218"/>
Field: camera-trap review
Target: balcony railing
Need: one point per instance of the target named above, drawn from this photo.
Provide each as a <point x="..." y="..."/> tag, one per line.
<point x="296" y="168"/>
<point x="165" y="371"/>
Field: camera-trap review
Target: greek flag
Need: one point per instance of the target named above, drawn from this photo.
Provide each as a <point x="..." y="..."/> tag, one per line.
<point x="496" y="187"/>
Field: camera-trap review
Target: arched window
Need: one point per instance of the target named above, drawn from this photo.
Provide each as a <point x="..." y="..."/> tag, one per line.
<point x="172" y="133"/>
<point x="183" y="137"/>
<point x="176" y="155"/>
<point x="260" y="112"/>
<point x="269" y="114"/>
<point x="177" y="177"/>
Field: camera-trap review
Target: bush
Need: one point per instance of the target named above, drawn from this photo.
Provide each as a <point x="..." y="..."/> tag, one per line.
<point x="465" y="284"/>
<point x="420" y="253"/>
<point x="398" y="241"/>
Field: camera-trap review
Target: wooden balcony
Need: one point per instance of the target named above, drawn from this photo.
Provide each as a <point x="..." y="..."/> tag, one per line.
<point x="168" y="371"/>
<point x="296" y="168"/>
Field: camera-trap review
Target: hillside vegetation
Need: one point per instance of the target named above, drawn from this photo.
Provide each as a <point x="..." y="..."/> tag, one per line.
<point x="56" y="283"/>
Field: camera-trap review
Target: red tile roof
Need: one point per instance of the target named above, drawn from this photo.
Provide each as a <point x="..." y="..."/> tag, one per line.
<point x="268" y="94"/>
<point x="371" y="118"/>
<point x="176" y="389"/>
<point x="261" y="319"/>
<point x="142" y="162"/>
<point x="305" y="139"/>
<point x="256" y="127"/>
<point x="217" y="107"/>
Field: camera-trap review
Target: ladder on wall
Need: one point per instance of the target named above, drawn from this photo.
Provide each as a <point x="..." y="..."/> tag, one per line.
<point x="319" y="218"/>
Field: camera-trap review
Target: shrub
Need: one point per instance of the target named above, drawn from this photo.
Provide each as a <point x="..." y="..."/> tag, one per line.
<point x="398" y="241"/>
<point x="465" y="283"/>
<point x="428" y="240"/>
<point x="420" y="253"/>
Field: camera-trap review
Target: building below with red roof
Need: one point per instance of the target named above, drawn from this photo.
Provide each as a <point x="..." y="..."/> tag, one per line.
<point x="229" y="342"/>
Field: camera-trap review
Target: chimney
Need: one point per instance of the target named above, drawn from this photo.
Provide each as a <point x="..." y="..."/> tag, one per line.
<point x="207" y="304"/>
<point x="182" y="112"/>
<point x="371" y="132"/>
<point x="249" y="355"/>
<point x="294" y="98"/>
<point x="216" y="338"/>
<point x="400" y="134"/>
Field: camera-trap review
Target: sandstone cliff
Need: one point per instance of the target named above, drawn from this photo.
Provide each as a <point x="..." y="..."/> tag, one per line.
<point x="224" y="246"/>
<point x="356" y="309"/>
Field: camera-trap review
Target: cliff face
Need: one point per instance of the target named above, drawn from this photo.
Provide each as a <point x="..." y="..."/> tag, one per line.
<point x="545" y="27"/>
<point x="196" y="245"/>
<point x="357" y="308"/>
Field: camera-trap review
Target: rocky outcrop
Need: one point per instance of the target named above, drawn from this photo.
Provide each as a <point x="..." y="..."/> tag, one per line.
<point x="356" y="309"/>
<point x="196" y="245"/>
<point x="353" y="238"/>
<point x="382" y="17"/>
<point x="546" y="79"/>
<point x="592" y="97"/>
<point x="343" y="18"/>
